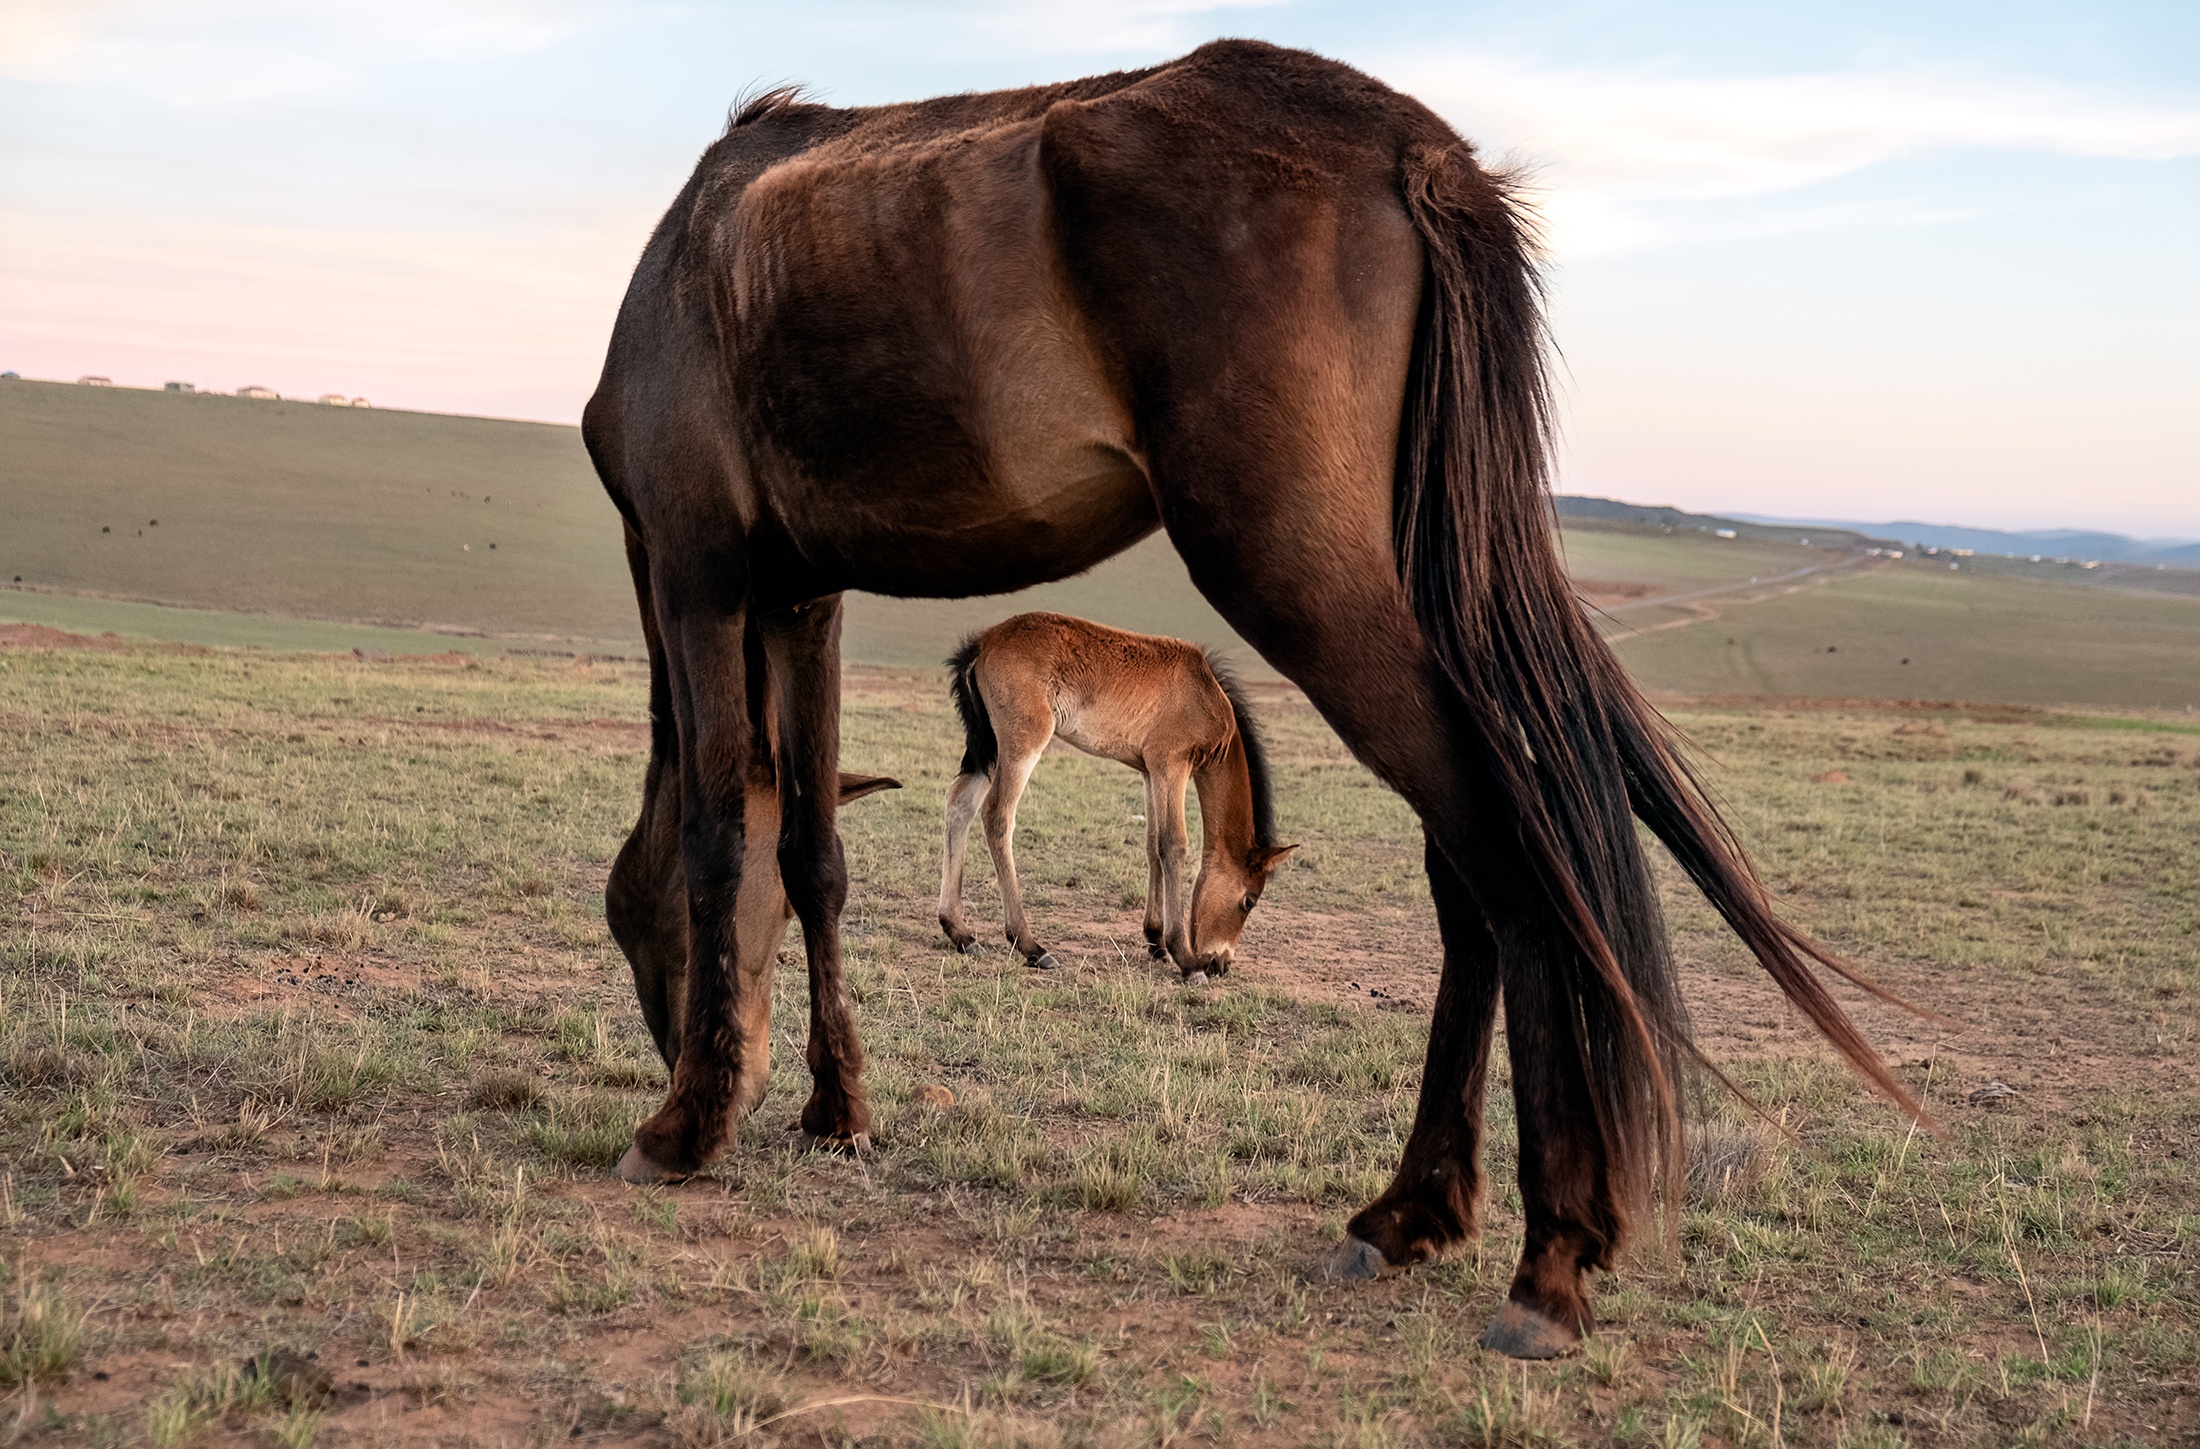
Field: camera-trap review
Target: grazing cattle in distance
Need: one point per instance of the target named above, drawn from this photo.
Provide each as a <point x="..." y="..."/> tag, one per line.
<point x="1261" y="301"/>
<point x="1162" y="707"/>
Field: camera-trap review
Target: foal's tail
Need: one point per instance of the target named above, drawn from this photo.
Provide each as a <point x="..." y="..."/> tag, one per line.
<point x="980" y="746"/>
<point x="1573" y="747"/>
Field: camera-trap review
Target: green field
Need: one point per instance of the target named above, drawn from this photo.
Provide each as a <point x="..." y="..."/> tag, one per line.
<point x="1914" y="630"/>
<point x="293" y="526"/>
<point x="280" y="511"/>
<point x="314" y="1057"/>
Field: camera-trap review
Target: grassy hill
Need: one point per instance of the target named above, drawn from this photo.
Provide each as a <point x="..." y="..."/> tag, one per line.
<point x="291" y="525"/>
<point x="1915" y="630"/>
<point x="381" y="517"/>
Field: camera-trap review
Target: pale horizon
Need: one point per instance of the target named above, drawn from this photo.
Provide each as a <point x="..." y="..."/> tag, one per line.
<point x="1869" y="266"/>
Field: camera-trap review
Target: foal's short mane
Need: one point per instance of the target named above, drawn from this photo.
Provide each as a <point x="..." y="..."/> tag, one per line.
<point x="1256" y="752"/>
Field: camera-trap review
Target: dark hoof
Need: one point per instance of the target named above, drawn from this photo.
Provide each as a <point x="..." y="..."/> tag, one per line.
<point x="640" y="1169"/>
<point x="852" y="1145"/>
<point x="1518" y="1331"/>
<point x="1157" y="951"/>
<point x="1195" y="978"/>
<point x="1355" y="1261"/>
<point x="1044" y="961"/>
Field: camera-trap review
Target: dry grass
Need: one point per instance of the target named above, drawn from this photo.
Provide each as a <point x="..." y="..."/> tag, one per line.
<point x="365" y="1110"/>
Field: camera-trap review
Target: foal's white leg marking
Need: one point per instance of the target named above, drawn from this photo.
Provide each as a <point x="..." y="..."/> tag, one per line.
<point x="964" y="797"/>
<point x="1009" y="779"/>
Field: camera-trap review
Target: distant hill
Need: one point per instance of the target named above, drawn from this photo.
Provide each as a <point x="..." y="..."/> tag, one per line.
<point x="2048" y="543"/>
<point x="257" y="515"/>
<point x="1579" y="510"/>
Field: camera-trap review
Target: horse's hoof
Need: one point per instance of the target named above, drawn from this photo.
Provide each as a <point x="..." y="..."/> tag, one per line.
<point x="640" y="1169"/>
<point x="1518" y="1331"/>
<point x="1157" y="951"/>
<point x="855" y="1145"/>
<point x="1355" y="1261"/>
<point x="1196" y="978"/>
<point x="1044" y="961"/>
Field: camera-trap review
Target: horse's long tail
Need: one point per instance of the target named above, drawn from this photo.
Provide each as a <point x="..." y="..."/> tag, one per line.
<point x="1572" y="746"/>
<point x="980" y="746"/>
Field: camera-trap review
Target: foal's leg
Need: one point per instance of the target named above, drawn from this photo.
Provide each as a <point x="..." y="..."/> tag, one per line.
<point x="803" y="646"/>
<point x="1154" y="947"/>
<point x="964" y="797"/>
<point x="1011" y="772"/>
<point x="1165" y="786"/>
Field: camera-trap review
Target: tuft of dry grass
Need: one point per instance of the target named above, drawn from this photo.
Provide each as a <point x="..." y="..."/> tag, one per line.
<point x="505" y="1091"/>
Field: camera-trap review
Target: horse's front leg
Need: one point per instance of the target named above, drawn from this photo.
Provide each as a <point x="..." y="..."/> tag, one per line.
<point x="802" y="644"/>
<point x="709" y="686"/>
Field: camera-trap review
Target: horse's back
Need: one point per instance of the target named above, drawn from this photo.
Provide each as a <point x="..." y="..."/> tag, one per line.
<point x="948" y="333"/>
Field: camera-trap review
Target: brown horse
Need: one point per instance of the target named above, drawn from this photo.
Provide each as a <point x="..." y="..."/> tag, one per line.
<point x="1160" y="706"/>
<point x="1262" y="301"/>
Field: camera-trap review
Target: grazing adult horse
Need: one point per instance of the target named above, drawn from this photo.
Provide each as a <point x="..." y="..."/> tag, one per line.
<point x="1160" y="706"/>
<point x="1263" y="302"/>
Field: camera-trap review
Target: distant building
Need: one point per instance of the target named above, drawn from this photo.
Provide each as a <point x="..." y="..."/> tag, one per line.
<point x="360" y="402"/>
<point x="334" y="400"/>
<point x="177" y="387"/>
<point x="89" y="380"/>
<point x="16" y="375"/>
<point x="266" y="394"/>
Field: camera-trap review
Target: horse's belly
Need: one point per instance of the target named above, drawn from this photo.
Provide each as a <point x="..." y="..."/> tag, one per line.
<point x="936" y="414"/>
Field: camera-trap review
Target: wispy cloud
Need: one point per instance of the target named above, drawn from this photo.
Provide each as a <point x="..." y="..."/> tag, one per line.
<point x="249" y="52"/>
<point x="1622" y="152"/>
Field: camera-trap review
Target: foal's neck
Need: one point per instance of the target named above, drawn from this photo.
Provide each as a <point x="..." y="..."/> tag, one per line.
<point x="1225" y="786"/>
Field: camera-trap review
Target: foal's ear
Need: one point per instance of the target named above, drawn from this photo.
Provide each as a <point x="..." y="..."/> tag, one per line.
<point x="1265" y="858"/>
<point x="855" y="787"/>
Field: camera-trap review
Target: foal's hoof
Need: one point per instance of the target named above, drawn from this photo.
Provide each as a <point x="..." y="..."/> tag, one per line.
<point x="1044" y="961"/>
<point x="642" y="1170"/>
<point x="1355" y="1261"/>
<point x="1157" y="951"/>
<point x="1518" y="1331"/>
<point x="1195" y="978"/>
<point x="856" y="1144"/>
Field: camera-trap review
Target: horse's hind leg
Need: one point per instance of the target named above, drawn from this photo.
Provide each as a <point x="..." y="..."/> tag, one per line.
<point x="803" y="646"/>
<point x="1435" y="1197"/>
<point x="1391" y="707"/>
<point x="964" y="798"/>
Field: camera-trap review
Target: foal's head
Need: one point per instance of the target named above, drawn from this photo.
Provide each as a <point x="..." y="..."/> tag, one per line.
<point x="1234" y="868"/>
<point x="1229" y="886"/>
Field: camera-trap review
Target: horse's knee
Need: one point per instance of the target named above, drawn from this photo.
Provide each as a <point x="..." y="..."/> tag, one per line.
<point x="814" y="872"/>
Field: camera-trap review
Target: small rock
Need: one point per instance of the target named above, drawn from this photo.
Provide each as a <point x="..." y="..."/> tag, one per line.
<point x="936" y="1097"/>
<point x="1831" y="777"/>
<point x="1991" y="1092"/>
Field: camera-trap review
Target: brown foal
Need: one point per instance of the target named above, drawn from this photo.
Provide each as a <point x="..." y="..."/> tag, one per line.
<point x="1259" y="300"/>
<point x="1160" y="706"/>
